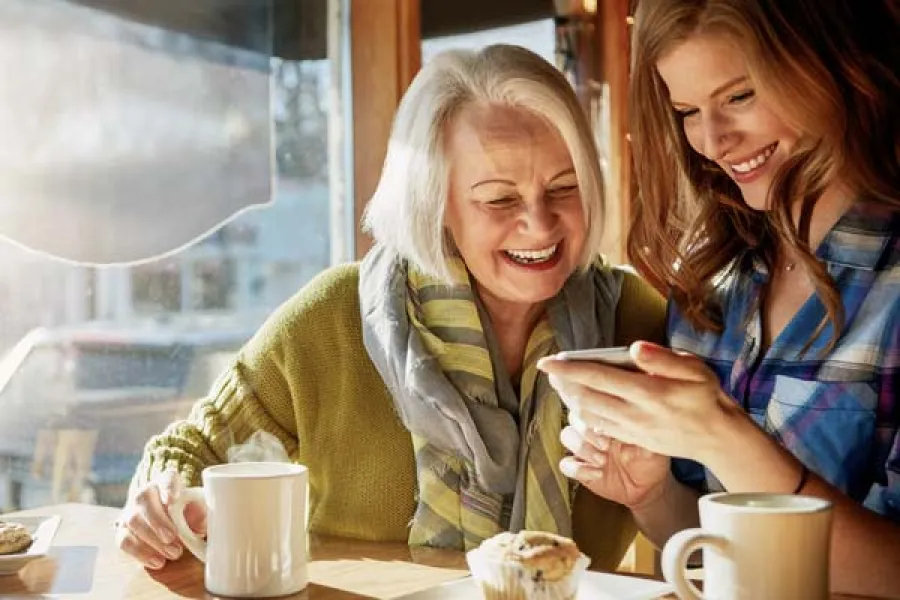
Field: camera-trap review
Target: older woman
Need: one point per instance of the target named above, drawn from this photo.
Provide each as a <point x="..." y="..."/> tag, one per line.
<point x="408" y="383"/>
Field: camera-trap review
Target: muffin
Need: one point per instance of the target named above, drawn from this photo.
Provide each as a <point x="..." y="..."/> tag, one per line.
<point x="14" y="537"/>
<point x="529" y="565"/>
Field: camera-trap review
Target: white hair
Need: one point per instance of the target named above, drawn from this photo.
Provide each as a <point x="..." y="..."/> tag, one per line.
<point x="406" y="212"/>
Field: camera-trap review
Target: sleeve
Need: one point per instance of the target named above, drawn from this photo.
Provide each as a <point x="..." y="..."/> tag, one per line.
<point x="884" y="495"/>
<point x="640" y="312"/>
<point x="690" y="473"/>
<point x="885" y="498"/>
<point x="228" y="415"/>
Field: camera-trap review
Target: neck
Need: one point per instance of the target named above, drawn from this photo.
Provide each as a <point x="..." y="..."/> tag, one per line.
<point x="512" y="324"/>
<point x="836" y="200"/>
<point x="511" y="316"/>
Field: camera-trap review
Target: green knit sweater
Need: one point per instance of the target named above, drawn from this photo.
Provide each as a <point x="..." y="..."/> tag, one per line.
<point x="306" y="378"/>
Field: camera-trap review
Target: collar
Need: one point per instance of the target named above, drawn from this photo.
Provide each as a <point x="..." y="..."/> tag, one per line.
<point x="862" y="237"/>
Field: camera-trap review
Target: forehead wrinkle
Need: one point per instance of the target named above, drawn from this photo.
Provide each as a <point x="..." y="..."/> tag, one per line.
<point x="499" y="142"/>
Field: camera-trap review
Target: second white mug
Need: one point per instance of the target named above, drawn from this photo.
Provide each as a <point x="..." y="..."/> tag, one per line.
<point x="772" y="546"/>
<point x="256" y="528"/>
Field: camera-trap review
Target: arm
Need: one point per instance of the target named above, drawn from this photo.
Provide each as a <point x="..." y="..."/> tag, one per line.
<point x="229" y="415"/>
<point x="667" y="511"/>
<point x="262" y="388"/>
<point x="259" y="392"/>
<point x="680" y="410"/>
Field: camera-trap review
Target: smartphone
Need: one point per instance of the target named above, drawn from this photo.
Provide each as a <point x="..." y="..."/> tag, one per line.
<point x="615" y="357"/>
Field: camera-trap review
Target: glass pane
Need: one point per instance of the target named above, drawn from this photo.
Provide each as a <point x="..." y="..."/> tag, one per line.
<point x="112" y="121"/>
<point x="94" y="361"/>
<point x="537" y="36"/>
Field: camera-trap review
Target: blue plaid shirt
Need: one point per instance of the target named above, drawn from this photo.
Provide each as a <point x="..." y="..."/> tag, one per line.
<point x="837" y="412"/>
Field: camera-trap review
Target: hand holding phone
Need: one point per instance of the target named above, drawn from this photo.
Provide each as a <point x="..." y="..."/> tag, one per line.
<point x="615" y="357"/>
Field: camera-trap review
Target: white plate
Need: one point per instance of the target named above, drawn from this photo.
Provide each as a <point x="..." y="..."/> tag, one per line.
<point x="42" y="529"/>
<point x="594" y="586"/>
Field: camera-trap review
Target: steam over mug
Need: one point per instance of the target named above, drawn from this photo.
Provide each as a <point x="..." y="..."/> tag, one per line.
<point x="256" y="528"/>
<point x="772" y="546"/>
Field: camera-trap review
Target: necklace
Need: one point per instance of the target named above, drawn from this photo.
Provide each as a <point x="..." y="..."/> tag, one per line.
<point x="790" y="266"/>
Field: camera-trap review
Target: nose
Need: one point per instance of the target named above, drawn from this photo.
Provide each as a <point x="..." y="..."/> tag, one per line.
<point x="718" y="136"/>
<point x="539" y="216"/>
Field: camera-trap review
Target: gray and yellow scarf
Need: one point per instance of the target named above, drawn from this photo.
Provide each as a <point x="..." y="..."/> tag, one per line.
<point x="486" y="457"/>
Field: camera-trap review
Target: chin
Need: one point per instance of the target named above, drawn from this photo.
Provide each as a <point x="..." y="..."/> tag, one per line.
<point x="756" y="199"/>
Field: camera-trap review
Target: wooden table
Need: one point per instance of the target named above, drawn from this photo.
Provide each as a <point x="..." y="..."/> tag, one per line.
<point x="85" y="563"/>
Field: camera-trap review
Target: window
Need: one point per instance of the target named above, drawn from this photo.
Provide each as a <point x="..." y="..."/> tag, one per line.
<point x="537" y="36"/>
<point x="95" y="360"/>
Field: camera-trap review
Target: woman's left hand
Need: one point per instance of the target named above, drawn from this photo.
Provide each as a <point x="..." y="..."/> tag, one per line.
<point x="676" y="407"/>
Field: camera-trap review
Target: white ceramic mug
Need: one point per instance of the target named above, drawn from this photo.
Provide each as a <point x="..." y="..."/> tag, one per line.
<point x="772" y="546"/>
<point x="255" y="544"/>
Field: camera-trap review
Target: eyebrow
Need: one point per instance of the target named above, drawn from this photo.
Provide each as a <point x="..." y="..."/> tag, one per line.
<point x="568" y="171"/>
<point x="720" y="89"/>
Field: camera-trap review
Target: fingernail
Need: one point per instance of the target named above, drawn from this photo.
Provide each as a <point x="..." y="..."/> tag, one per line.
<point x="568" y="469"/>
<point x="166" y="536"/>
<point x="156" y="563"/>
<point x="646" y="350"/>
<point x="173" y="552"/>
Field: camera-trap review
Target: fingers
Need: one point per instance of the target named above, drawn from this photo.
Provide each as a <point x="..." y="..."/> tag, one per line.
<point x="573" y="468"/>
<point x="578" y="381"/>
<point x="630" y="452"/>
<point x="592" y="403"/>
<point x="149" y="508"/>
<point x="131" y="544"/>
<point x="663" y="362"/>
<point x="170" y="486"/>
<point x="145" y="530"/>
<point x="195" y="515"/>
<point x="581" y="448"/>
<point x="136" y="537"/>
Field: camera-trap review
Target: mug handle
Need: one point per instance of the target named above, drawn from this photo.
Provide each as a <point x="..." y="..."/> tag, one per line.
<point x="192" y="541"/>
<point x="675" y="556"/>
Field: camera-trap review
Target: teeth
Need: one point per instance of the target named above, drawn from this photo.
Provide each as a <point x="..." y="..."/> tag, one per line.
<point x="532" y="256"/>
<point x="755" y="162"/>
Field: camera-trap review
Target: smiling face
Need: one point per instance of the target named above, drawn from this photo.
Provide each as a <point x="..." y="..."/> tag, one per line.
<point x="723" y="117"/>
<point x="513" y="207"/>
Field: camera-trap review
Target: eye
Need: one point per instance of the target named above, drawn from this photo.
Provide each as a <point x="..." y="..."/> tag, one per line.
<point x="504" y="202"/>
<point x="686" y="113"/>
<point x="563" y="190"/>
<point x="741" y="97"/>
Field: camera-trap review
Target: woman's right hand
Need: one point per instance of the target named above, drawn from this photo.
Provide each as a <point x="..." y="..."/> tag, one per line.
<point x="623" y="473"/>
<point x="144" y="529"/>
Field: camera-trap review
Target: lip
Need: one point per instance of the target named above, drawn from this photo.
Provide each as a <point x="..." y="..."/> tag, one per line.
<point x="750" y="177"/>
<point x="544" y="266"/>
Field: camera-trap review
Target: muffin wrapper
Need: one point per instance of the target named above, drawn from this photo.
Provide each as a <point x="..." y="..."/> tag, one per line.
<point x="504" y="580"/>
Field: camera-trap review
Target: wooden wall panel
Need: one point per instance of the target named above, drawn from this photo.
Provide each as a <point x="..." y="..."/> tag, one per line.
<point x="613" y="49"/>
<point x="385" y="55"/>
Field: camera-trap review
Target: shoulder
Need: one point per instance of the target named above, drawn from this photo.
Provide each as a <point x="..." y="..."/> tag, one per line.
<point x="327" y="306"/>
<point x="334" y="289"/>
<point x="640" y="308"/>
<point x="637" y="291"/>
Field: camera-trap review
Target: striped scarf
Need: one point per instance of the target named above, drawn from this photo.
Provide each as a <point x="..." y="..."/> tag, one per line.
<point x="486" y="457"/>
<point x="453" y="509"/>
